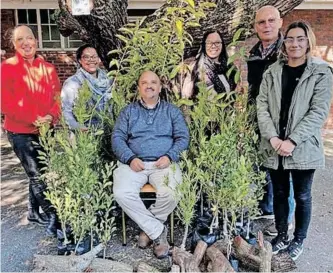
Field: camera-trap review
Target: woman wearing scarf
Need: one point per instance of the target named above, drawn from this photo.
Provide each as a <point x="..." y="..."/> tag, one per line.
<point x="98" y="83"/>
<point x="209" y="67"/>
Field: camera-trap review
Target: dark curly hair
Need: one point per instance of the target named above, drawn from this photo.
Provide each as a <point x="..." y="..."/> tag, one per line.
<point x="80" y="50"/>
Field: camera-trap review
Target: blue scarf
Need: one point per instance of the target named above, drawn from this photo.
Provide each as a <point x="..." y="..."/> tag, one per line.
<point x="100" y="87"/>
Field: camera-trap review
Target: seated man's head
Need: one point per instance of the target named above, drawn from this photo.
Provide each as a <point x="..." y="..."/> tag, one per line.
<point x="150" y="87"/>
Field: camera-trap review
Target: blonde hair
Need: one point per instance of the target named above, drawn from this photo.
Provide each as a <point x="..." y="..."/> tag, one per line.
<point x="308" y="33"/>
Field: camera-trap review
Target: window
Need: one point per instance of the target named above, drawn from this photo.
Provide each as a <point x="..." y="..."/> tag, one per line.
<point x="42" y="21"/>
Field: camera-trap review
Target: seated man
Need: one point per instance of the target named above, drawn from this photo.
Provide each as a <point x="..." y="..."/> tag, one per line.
<point x="149" y="134"/>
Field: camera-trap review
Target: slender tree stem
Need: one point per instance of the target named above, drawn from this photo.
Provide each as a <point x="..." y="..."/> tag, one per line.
<point x="184" y="238"/>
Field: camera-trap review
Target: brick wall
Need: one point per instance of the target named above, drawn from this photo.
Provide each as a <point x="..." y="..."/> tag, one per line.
<point x="64" y="61"/>
<point x="320" y="20"/>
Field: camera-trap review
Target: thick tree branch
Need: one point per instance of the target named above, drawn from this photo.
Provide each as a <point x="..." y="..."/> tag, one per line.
<point x="107" y="16"/>
<point x="99" y="28"/>
<point x="230" y="15"/>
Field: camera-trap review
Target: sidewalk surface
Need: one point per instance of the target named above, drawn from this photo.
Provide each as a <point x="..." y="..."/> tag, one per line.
<point x="21" y="240"/>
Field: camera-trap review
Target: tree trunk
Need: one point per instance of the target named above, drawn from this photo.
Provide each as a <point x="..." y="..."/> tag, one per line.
<point x="199" y="251"/>
<point x="250" y="257"/>
<point x="186" y="261"/>
<point x="99" y="28"/>
<point x="107" y="16"/>
<point x="265" y="254"/>
<point x="219" y="262"/>
<point x="52" y="263"/>
<point x="143" y="267"/>
<point x="81" y="263"/>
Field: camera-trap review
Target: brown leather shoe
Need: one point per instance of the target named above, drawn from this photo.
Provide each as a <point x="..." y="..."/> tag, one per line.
<point x="161" y="245"/>
<point x="144" y="240"/>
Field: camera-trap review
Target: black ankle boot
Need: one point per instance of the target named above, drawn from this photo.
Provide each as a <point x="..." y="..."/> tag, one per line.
<point x="38" y="189"/>
<point x="35" y="217"/>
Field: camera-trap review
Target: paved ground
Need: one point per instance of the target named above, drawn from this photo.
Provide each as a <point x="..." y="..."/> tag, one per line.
<point x="20" y="240"/>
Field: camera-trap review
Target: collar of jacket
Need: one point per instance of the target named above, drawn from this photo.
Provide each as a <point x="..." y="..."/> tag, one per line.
<point x="255" y="53"/>
<point x="314" y="66"/>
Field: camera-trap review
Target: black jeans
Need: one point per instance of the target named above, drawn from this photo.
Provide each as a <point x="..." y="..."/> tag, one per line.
<point x="26" y="148"/>
<point x="302" y="183"/>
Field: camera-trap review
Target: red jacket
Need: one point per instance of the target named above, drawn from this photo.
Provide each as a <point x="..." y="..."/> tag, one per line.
<point x="27" y="91"/>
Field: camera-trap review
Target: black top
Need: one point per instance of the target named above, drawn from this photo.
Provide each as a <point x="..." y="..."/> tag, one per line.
<point x="290" y="79"/>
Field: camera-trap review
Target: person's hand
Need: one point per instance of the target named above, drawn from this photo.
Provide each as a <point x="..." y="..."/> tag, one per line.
<point x="42" y="120"/>
<point x="276" y="143"/>
<point x="163" y="162"/>
<point x="84" y="129"/>
<point x="137" y="165"/>
<point x="286" y="148"/>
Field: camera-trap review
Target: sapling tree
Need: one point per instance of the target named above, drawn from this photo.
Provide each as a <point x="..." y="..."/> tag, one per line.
<point x="78" y="179"/>
<point x="187" y="194"/>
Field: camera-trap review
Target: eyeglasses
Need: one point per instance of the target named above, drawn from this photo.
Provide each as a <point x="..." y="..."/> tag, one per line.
<point x="215" y="44"/>
<point x="270" y="21"/>
<point x="91" y="58"/>
<point x="291" y="40"/>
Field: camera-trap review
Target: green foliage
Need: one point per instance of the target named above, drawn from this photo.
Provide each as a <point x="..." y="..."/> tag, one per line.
<point x="187" y="194"/>
<point x="223" y="152"/>
<point x="157" y="46"/>
<point x="78" y="179"/>
<point x="222" y="155"/>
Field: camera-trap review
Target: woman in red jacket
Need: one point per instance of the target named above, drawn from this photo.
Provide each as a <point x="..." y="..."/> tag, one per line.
<point x="29" y="90"/>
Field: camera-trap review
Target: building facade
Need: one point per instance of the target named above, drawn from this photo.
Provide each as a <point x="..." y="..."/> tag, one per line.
<point x="59" y="50"/>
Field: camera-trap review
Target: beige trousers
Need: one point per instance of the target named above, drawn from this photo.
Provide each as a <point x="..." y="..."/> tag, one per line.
<point x="126" y="189"/>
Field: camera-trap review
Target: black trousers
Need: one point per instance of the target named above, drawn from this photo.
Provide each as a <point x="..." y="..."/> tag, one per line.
<point x="302" y="183"/>
<point x="26" y="148"/>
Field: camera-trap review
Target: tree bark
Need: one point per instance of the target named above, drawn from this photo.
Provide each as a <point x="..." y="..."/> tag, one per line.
<point x="52" y="263"/>
<point x="107" y="16"/>
<point x="250" y="257"/>
<point x="219" y="262"/>
<point x="265" y="254"/>
<point x="143" y="267"/>
<point x="99" y="28"/>
<point x="188" y="262"/>
<point x="199" y="252"/>
<point x="81" y="263"/>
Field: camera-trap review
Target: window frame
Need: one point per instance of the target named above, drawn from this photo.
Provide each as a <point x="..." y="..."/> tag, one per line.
<point x="40" y="39"/>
